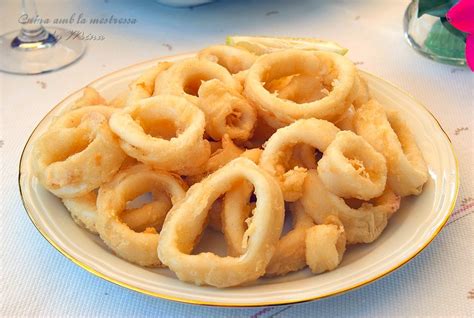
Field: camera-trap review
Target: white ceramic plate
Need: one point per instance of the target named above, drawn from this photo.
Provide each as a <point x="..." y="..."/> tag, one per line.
<point x="410" y="230"/>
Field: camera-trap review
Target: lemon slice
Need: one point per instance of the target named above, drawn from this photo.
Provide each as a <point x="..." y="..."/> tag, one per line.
<point x="261" y="44"/>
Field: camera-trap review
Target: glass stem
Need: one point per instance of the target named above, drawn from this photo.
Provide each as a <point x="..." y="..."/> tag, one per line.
<point x="32" y="29"/>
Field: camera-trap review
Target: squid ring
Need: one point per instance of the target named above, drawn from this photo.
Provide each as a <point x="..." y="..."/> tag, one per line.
<point x="352" y="168"/>
<point x="78" y="153"/>
<point x="388" y="134"/>
<point x="314" y="132"/>
<point x="362" y="225"/>
<point x="232" y="58"/>
<point x="290" y="251"/>
<point x="139" y="248"/>
<point x="185" y="77"/>
<point x="83" y="211"/>
<point x="337" y="73"/>
<point x="134" y="125"/>
<point x="227" y="112"/>
<point x="325" y="245"/>
<point x="186" y="220"/>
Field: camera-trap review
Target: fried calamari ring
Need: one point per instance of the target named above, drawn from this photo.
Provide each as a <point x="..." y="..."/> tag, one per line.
<point x="316" y="133"/>
<point x="337" y="73"/>
<point x="227" y="112"/>
<point x="90" y="97"/>
<point x="136" y="126"/>
<point x="84" y="212"/>
<point x="139" y="248"/>
<point x="352" y="168"/>
<point x="388" y="134"/>
<point x="186" y="220"/>
<point x="362" y="225"/>
<point x="232" y="58"/>
<point x="78" y="153"/>
<point x="290" y="251"/>
<point x="325" y="245"/>
<point x="185" y="77"/>
<point x="144" y="85"/>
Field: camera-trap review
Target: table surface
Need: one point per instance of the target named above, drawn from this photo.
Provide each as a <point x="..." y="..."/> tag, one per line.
<point x="38" y="281"/>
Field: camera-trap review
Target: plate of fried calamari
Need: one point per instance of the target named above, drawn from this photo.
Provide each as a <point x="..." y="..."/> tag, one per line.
<point x="260" y="172"/>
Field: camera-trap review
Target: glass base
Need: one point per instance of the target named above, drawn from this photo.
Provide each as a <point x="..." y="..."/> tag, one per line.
<point x="429" y="38"/>
<point x="59" y="49"/>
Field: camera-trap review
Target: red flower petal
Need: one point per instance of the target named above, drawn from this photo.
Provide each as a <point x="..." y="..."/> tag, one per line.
<point x="470" y="51"/>
<point x="461" y="16"/>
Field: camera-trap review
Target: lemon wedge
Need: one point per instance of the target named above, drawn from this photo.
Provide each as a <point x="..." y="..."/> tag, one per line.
<point x="262" y="44"/>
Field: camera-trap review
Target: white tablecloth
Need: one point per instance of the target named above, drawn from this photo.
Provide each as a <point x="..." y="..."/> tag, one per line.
<point x="38" y="281"/>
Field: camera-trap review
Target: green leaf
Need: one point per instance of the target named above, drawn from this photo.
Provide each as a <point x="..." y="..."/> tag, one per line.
<point x="441" y="42"/>
<point x="453" y="30"/>
<point x="437" y="8"/>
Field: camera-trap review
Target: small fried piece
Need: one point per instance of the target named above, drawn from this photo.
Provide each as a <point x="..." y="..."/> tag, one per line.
<point x="325" y="245"/>
<point x="90" y="97"/>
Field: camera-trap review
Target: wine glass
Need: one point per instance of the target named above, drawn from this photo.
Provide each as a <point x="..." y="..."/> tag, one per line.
<point x="33" y="49"/>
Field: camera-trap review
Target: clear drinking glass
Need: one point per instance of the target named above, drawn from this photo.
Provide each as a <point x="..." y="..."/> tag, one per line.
<point x="428" y="37"/>
<point x="33" y="49"/>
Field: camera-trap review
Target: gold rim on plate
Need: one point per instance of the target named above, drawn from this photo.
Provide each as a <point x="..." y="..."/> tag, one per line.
<point x="219" y="304"/>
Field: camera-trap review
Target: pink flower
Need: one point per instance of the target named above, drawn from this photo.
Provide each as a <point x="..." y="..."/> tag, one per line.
<point x="461" y="16"/>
